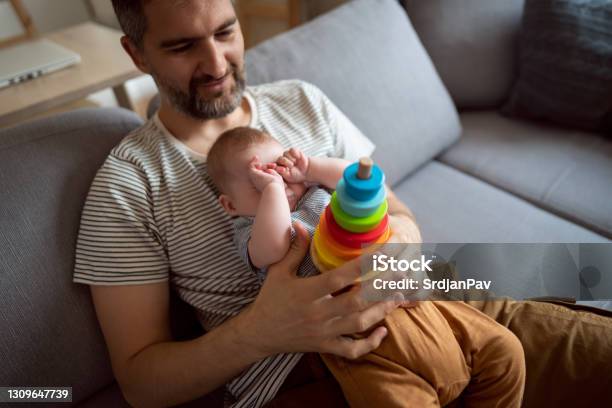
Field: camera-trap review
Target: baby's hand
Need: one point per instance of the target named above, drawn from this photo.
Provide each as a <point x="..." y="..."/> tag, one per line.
<point x="263" y="174"/>
<point x="293" y="166"/>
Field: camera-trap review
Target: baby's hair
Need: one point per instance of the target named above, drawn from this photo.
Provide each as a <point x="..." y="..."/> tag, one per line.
<point x="227" y="144"/>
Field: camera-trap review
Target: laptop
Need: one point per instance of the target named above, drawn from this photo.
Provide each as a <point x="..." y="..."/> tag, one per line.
<point x="32" y="59"/>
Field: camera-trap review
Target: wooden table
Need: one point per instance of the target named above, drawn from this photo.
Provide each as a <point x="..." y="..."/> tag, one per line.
<point x="104" y="64"/>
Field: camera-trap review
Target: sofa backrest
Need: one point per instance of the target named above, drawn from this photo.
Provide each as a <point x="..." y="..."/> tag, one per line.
<point x="473" y="44"/>
<point x="49" y="331"/>
<point x="366" y="57"/>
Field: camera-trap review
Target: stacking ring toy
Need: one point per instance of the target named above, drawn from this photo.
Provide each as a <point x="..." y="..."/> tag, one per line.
<point x="325" y="257"/>
<point x="353" y="224"/>
<point x="359" y="208"/>
<point x="363" y="189"/>
<point x="355" y="218"/>
<point x="349" y="239"/>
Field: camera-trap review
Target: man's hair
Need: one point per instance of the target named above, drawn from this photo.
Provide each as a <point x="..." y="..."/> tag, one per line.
<point x="227" y="144"/>
<point x="132" y="19"/>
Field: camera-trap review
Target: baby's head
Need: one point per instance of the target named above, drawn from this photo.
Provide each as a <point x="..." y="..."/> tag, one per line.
<point x="228" y="166"/>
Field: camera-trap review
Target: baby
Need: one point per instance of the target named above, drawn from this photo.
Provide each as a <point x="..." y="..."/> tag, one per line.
<point x="268" y="187"/>
<point x="432" y="354"/>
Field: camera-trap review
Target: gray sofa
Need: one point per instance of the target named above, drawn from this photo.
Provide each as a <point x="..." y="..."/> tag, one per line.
<point x="427" y="98"/>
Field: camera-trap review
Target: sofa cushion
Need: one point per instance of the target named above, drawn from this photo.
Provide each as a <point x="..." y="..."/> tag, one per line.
<point x="111" y="396"/>
<point x="472" y="44"/>
<point x="50" y="335"/>
<point x="601" y="304"/>
<point x="451" y="206"/>
<point x="454" y="207"/>
<point x="367" y="58"/>
<point x="565" y="64"/>
<point x="564" y="171"/>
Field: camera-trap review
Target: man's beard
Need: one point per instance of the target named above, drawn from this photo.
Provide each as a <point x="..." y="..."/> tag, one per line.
<point x="194" y="105"/>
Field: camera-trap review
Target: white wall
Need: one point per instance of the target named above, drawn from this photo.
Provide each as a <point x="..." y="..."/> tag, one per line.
<point x="48" y="15"/>
<point x="104" y="13"/>
<point x="9" y="24"/>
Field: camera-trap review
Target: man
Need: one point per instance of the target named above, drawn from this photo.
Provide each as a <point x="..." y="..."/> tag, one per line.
<point x="151" y="221"/>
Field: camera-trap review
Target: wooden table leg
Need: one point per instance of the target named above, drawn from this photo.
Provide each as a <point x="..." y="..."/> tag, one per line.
<point x="123" y="99"/>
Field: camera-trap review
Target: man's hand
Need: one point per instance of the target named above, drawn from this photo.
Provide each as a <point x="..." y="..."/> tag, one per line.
<point x="263" y="174"/>
<point x="403" y="225"/>
<point x="293" y="166"/>
<point x="293" y="314"/>
<point x="404" y="230"/>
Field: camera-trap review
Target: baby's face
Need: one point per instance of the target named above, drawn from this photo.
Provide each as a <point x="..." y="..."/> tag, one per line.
<point x="241" y="191"/>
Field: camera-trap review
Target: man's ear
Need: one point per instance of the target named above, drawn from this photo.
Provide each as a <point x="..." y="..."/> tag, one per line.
<point x="135" y="54"/>
<point x="227" y="205"/>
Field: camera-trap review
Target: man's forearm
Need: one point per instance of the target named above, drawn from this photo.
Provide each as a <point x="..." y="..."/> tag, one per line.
<point x="171" y="373"/>
<point x="406" y="230"/>
<point x="396" y="206"/>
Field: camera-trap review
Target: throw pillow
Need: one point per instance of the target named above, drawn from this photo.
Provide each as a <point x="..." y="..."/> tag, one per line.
<point x="473" y="45"/>
<point x="565" y="64"/>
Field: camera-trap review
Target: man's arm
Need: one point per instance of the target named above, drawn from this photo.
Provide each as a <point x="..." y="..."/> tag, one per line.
<point x="402" y="221"/>
<point x="151" y="368"/>
<point x="290" y="314"/>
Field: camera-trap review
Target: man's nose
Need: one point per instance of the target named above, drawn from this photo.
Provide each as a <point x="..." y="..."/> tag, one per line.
<point x="213" y="62"/>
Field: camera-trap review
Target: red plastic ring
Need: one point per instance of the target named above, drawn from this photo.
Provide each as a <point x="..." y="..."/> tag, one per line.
<point x="351" y="239"/>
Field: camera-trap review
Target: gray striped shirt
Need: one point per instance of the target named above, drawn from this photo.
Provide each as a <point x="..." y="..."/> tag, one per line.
<point x="152" y="215"/>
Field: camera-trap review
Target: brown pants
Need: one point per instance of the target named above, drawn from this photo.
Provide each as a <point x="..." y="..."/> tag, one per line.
<point x="433" y="353"/>
<point x="568" y="350"/>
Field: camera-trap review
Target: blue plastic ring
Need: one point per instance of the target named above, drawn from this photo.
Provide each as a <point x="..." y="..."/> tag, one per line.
<point x="360" y="189"/>
<point x="358" y="208"/>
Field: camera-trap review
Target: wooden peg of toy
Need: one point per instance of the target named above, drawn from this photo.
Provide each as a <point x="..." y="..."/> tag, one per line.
<point x="365" y="168"/>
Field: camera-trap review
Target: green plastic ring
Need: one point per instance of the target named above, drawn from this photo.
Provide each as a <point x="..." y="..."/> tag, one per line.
<point x="354" y="224"/>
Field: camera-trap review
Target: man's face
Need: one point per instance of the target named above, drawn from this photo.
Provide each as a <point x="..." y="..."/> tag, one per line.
<point x="194" y="50"/>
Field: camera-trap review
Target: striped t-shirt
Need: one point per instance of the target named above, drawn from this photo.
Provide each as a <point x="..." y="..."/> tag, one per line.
<point x="152" y="215"/>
